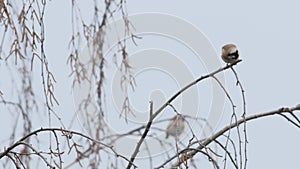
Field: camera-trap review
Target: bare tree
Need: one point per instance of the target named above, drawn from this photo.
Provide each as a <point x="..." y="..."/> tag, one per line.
<point x="23" y="49"/>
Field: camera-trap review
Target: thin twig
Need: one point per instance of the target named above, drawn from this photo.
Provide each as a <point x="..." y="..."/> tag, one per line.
<point x="212" y="138"/>
<point x="149" y="123"/>
<point x="238" y="82"/>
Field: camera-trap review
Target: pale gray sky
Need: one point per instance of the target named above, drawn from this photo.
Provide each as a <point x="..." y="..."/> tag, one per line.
<point x="267" y="34"/>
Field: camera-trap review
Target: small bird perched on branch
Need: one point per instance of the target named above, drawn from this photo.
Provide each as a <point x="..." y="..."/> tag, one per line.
<point x="230" y="53"/>
<point x="175" y="127"/>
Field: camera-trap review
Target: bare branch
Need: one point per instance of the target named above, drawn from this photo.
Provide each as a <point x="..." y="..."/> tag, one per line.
<point x="148" y="126"/>
<point x="212" y="138"/>
<point x="21" y="141"/>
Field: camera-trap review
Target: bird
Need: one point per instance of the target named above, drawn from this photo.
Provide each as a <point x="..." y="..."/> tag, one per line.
<point x="230" y="53"/>
<point x="175" y="127"/>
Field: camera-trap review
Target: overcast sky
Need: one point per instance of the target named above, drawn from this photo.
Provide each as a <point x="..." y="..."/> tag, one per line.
<point x="267" y="35"/>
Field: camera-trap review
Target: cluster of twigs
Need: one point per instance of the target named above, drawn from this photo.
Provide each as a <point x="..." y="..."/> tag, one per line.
<point x="181" y="156"/>
<point x="22" y="47"/>
<point x="25" y="26"/>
